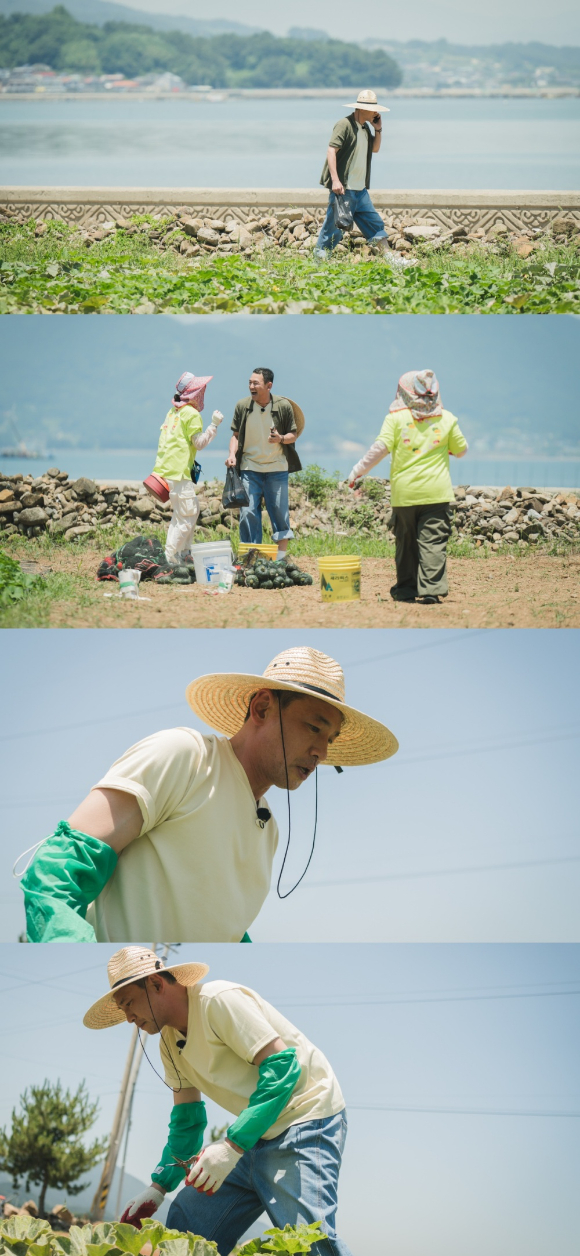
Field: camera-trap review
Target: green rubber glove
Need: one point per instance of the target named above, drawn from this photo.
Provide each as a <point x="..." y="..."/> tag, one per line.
<point x="279" y="1077"/>
<point x="246" y="938"/>
<point x="67" y="873"/>
<point x="186" y="1128"/>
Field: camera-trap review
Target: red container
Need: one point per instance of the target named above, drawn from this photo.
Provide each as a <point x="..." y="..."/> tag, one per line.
<point x="157" y="487"/>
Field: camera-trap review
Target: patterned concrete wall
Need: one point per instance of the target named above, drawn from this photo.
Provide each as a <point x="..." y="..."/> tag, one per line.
<point x="473" y="210"/>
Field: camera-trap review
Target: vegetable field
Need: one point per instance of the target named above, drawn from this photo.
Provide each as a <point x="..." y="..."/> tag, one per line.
<point x="29" y="1236"/>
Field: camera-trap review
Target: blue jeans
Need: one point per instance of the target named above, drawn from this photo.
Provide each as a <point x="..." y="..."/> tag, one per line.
<point x="364" y="214"/>
<point x="273" y="487"/>
<point x="294" y="1178"/>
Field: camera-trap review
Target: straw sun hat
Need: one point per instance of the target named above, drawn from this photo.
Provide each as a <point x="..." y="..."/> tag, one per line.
<point x="298" y="416"/>
<point x="367" y="100"/>
<point x="131" y="964"/>
<point x="222" y="698"/>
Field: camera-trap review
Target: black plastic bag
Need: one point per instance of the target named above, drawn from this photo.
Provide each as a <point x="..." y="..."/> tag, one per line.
<point x="234" y="494"/>
<point x="343" y="218"/>
<point x="195" y="472"/>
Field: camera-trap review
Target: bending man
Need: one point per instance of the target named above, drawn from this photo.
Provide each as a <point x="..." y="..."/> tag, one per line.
<point x="177" y="840"/>
<point x="283" y="1150"/>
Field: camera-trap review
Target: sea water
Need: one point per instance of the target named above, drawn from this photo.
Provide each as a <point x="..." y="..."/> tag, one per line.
<point x="110" y="464"/>
<point x="427" y="143"/>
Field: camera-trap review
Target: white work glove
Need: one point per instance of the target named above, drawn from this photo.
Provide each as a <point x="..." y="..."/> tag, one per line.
<point x="212" y="1167"/>
<point x="217" y="418"/>
<point x="142" y="1206"/>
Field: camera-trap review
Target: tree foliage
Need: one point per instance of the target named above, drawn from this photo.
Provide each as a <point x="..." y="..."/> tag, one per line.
<point x="58" y="40"/>
<point x="44" y="1146"/>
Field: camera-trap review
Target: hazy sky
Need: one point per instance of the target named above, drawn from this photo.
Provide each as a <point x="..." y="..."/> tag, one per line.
<point x="456" y="20"/>
<point x="494" y="372"/>
<point x="466" y="1028"/>
<point x="413" y="850"/>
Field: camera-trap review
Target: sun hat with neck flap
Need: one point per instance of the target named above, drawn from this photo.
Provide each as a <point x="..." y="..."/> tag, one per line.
<point x="131" y="964"/>
<point x="221" y="700"/>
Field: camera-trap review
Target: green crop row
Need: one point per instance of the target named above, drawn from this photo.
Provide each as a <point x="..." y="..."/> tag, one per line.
<point x="30" y="1236"/>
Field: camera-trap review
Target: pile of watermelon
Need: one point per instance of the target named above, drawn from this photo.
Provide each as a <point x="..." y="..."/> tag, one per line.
<point x="265" y="573"/>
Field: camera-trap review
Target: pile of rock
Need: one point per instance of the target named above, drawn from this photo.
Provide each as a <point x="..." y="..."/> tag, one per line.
<point x="74" y="508"/>
<point x="483" y="516"/>
<point x="297" y="229"/>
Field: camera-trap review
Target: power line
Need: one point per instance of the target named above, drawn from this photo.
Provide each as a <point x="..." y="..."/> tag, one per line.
<point x="443" y="872"/>
<point x="463" y="635"/>
<point x="384" y="1107"/>
<point x="464" y="998"/>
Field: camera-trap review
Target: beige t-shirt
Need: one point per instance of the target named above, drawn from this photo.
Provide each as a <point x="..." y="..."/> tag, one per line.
<point x="201" y="867"/>
<point x="228" y="1024"/>
<point x="356" y="178"/>
<point x="258" y="455"/>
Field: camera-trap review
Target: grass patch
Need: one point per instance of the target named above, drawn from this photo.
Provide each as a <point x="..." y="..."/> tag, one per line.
<point x="80" y="588"/>
<point x="126" y="274"/>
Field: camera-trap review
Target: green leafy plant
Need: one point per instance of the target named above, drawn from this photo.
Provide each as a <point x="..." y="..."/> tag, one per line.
<point x="374" y="489"/>
<point x="317" y="483"/>
<point x="29" y="1236"/>
<point x="14" y="583"/>
<point x="288" y="1242"/>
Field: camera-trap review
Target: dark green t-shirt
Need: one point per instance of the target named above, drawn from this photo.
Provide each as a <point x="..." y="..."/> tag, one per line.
<point x="344" y="139"/>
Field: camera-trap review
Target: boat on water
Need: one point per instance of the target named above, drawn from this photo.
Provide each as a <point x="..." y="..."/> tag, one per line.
<point x="20" y="451"/>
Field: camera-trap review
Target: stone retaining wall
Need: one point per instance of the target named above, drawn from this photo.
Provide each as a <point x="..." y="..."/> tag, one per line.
<point x="475" y="211"/>
<point x="484" y="516"/>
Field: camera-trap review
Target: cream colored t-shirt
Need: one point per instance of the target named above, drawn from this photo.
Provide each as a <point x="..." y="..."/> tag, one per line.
<point x="258" y="455"/>
<point x="227" y="1026"/>
<point x="357" y="174"/>
<point x="201" y="867"/>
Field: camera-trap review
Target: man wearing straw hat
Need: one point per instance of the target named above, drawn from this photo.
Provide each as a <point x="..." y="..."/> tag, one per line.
<point x="282" y="1153"/>
<point x="347" y="174"/>
<point x="176" y="840"/>
<point x="265" y="428"/>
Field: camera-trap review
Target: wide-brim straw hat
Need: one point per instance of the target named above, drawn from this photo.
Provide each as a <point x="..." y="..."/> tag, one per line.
<point x="298" y="416"/>
<point x="368" y="100"/>
<point x="127" y="966"/>
<point x="221" y="700"/>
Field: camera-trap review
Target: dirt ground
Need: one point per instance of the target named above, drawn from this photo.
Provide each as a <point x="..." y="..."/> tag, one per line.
<point x="538" y="591"/>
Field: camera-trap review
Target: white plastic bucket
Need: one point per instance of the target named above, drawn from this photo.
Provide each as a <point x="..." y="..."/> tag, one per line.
<point x="129" y="582"/>
<point x="210" y="559"/>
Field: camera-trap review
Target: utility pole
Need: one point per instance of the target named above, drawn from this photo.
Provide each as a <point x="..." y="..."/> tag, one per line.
<point x="122" y="1114"/>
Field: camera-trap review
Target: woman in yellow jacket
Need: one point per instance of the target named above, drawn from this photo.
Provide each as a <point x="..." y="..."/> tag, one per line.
<point x="420" y="435"/>
<point x="181" y="436"/>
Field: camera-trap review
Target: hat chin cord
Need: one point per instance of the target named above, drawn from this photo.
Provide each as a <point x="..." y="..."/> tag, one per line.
<point x="161" y="1079"/>
<point x="287" y="895"/>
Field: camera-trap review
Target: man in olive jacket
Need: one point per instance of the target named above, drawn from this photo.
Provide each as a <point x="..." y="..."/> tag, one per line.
<point x="347" y="173"/>
<point x="262" y="450"/>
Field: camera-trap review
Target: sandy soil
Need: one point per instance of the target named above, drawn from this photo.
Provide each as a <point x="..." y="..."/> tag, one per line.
<point x="498" y="592"/>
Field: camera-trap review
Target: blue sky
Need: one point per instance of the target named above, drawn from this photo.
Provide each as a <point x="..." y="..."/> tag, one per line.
<point x="414" y="850"/>
<point x="108" y="382"/>
<point x="467" y="22"/>
<point x="466" y="1028"/>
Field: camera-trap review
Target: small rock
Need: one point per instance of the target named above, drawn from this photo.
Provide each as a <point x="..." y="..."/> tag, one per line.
<point x="564" y="226"/>
<point x="84" y="488"/>
<point x="82" y="529"/>
<point x="33" y="518"/>
<point x="142" y="508"/>
<point x="206" y="236"/>
<point x="191" y="226"/>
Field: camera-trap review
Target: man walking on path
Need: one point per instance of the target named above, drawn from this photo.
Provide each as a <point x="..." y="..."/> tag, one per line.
<point x="177" y="840"/>
<point x="282" y="1153"/>
<point x="420" y="435"/>
<point x="262" y="450"/>
<point x="347" y="174"/>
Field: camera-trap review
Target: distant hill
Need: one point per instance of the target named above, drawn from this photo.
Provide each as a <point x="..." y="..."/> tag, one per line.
<point x="440" y="63"/>
<point x="97" y="12"/>
<point x="58" y="40"/>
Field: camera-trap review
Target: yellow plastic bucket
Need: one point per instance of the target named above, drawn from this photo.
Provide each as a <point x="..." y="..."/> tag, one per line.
<point x="340" y="578"/>
<point x="269" y="551"/>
